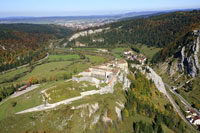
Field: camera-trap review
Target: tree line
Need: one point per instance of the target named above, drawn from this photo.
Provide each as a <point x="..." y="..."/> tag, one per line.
<point x="21" y="43"/>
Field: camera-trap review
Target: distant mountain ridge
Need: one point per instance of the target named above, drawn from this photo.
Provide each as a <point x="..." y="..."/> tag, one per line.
<point x="61" y="19"/>
<point x="158" y="30"/>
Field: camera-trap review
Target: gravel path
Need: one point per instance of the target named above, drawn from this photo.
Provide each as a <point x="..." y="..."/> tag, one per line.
<point x="68" y="101"/>
<point x="16" y="94"/>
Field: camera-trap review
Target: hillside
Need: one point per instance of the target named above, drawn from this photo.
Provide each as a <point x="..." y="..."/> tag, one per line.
<point x="140" y="107"/>
<point x="83" y="88"/>
<point x="175" y="34"/>
<point x="181" y="69"/>
<point x="158" y="31"/>
<point x="22" y="43"/>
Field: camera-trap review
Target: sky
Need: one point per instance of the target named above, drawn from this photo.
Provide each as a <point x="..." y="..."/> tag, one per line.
<point x="10" y="8"/>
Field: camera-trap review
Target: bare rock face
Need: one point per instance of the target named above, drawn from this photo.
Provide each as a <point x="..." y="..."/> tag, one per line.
<point x="196" y="50"/>
<point x="85" y="33"/>
<point x="173" y="68"/>
<point x="189" y="59"/>
<point x="181" y="65"/>
<point x="191" y="69"/>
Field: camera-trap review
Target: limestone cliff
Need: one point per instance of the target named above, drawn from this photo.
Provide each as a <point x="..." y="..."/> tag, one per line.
<point x="187" y="56"/>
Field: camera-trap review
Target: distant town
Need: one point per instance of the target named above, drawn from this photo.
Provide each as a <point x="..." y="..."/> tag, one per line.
<point x="84" y="24"/>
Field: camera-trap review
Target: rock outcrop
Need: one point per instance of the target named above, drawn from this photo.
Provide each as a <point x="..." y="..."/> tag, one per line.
<point x="182" y="57"/>
<point x="89" y="32"/>
<point x="196" y="50"/>
<point x="173" y="68"/>
<point x="189" y="58"/>
<point x="191" y="69"/>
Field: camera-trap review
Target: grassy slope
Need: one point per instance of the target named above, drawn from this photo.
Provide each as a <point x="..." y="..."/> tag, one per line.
<point x="118" y="52"/>
<point x="55" y="69"/>
<point x="47" y="70"/>
<point x="59" y="120"/>
<point x="67" y="90"/>
<point x="28" y="100"/>
<point x="149" y="52"/>
<point x="55" y="120"/>
<point x="63" y="57"/>
<point x="51" y="70"/>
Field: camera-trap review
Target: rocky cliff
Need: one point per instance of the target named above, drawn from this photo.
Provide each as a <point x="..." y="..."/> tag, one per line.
<point x="187" y="56"/>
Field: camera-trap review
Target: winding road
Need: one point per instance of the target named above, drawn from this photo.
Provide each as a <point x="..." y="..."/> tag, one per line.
<point x="24" y="65"/>
<point x="188" y="105"/>
<point x="161" y="87"/>
<point x="178" y="110"/>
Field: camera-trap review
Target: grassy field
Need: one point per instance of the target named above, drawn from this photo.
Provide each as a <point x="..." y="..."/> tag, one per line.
<point x="47" y="70"/>
<point x="118" y="52"/>
<point x="56" y="68"/>
<point x="68" y="90"/>
<point x="95" y="59"/>
<point x="63" y="57"/>
<point x="149" y="52"/>
<point x="13" y="74"/>
<point x="28" y="100"/>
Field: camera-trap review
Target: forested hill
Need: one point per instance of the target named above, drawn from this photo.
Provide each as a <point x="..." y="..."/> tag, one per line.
<point x="22" y="43"/>
<point x="159" y="30"/>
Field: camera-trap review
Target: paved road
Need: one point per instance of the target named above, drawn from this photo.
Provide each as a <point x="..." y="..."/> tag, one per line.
<point x="177" y="108"/>
<point x="161" y="87"/>
<point x="185" y="83"/>
<point x="19" y="93"/>
<point x="182" y="99"/>
<point x="16" y="94"/>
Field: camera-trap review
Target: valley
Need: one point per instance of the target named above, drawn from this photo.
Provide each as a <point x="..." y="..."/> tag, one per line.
<point x="134" y="75"/>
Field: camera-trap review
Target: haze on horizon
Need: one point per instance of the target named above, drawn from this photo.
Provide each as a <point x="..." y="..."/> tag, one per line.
<point x="88" y="7"/>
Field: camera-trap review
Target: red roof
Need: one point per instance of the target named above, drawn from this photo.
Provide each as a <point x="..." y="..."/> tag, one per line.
<point x="192" y="111"/>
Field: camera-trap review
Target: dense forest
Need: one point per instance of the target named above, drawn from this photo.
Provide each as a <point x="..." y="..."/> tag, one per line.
<point x="159" y="30"/>
<point x="22" y="43"/>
